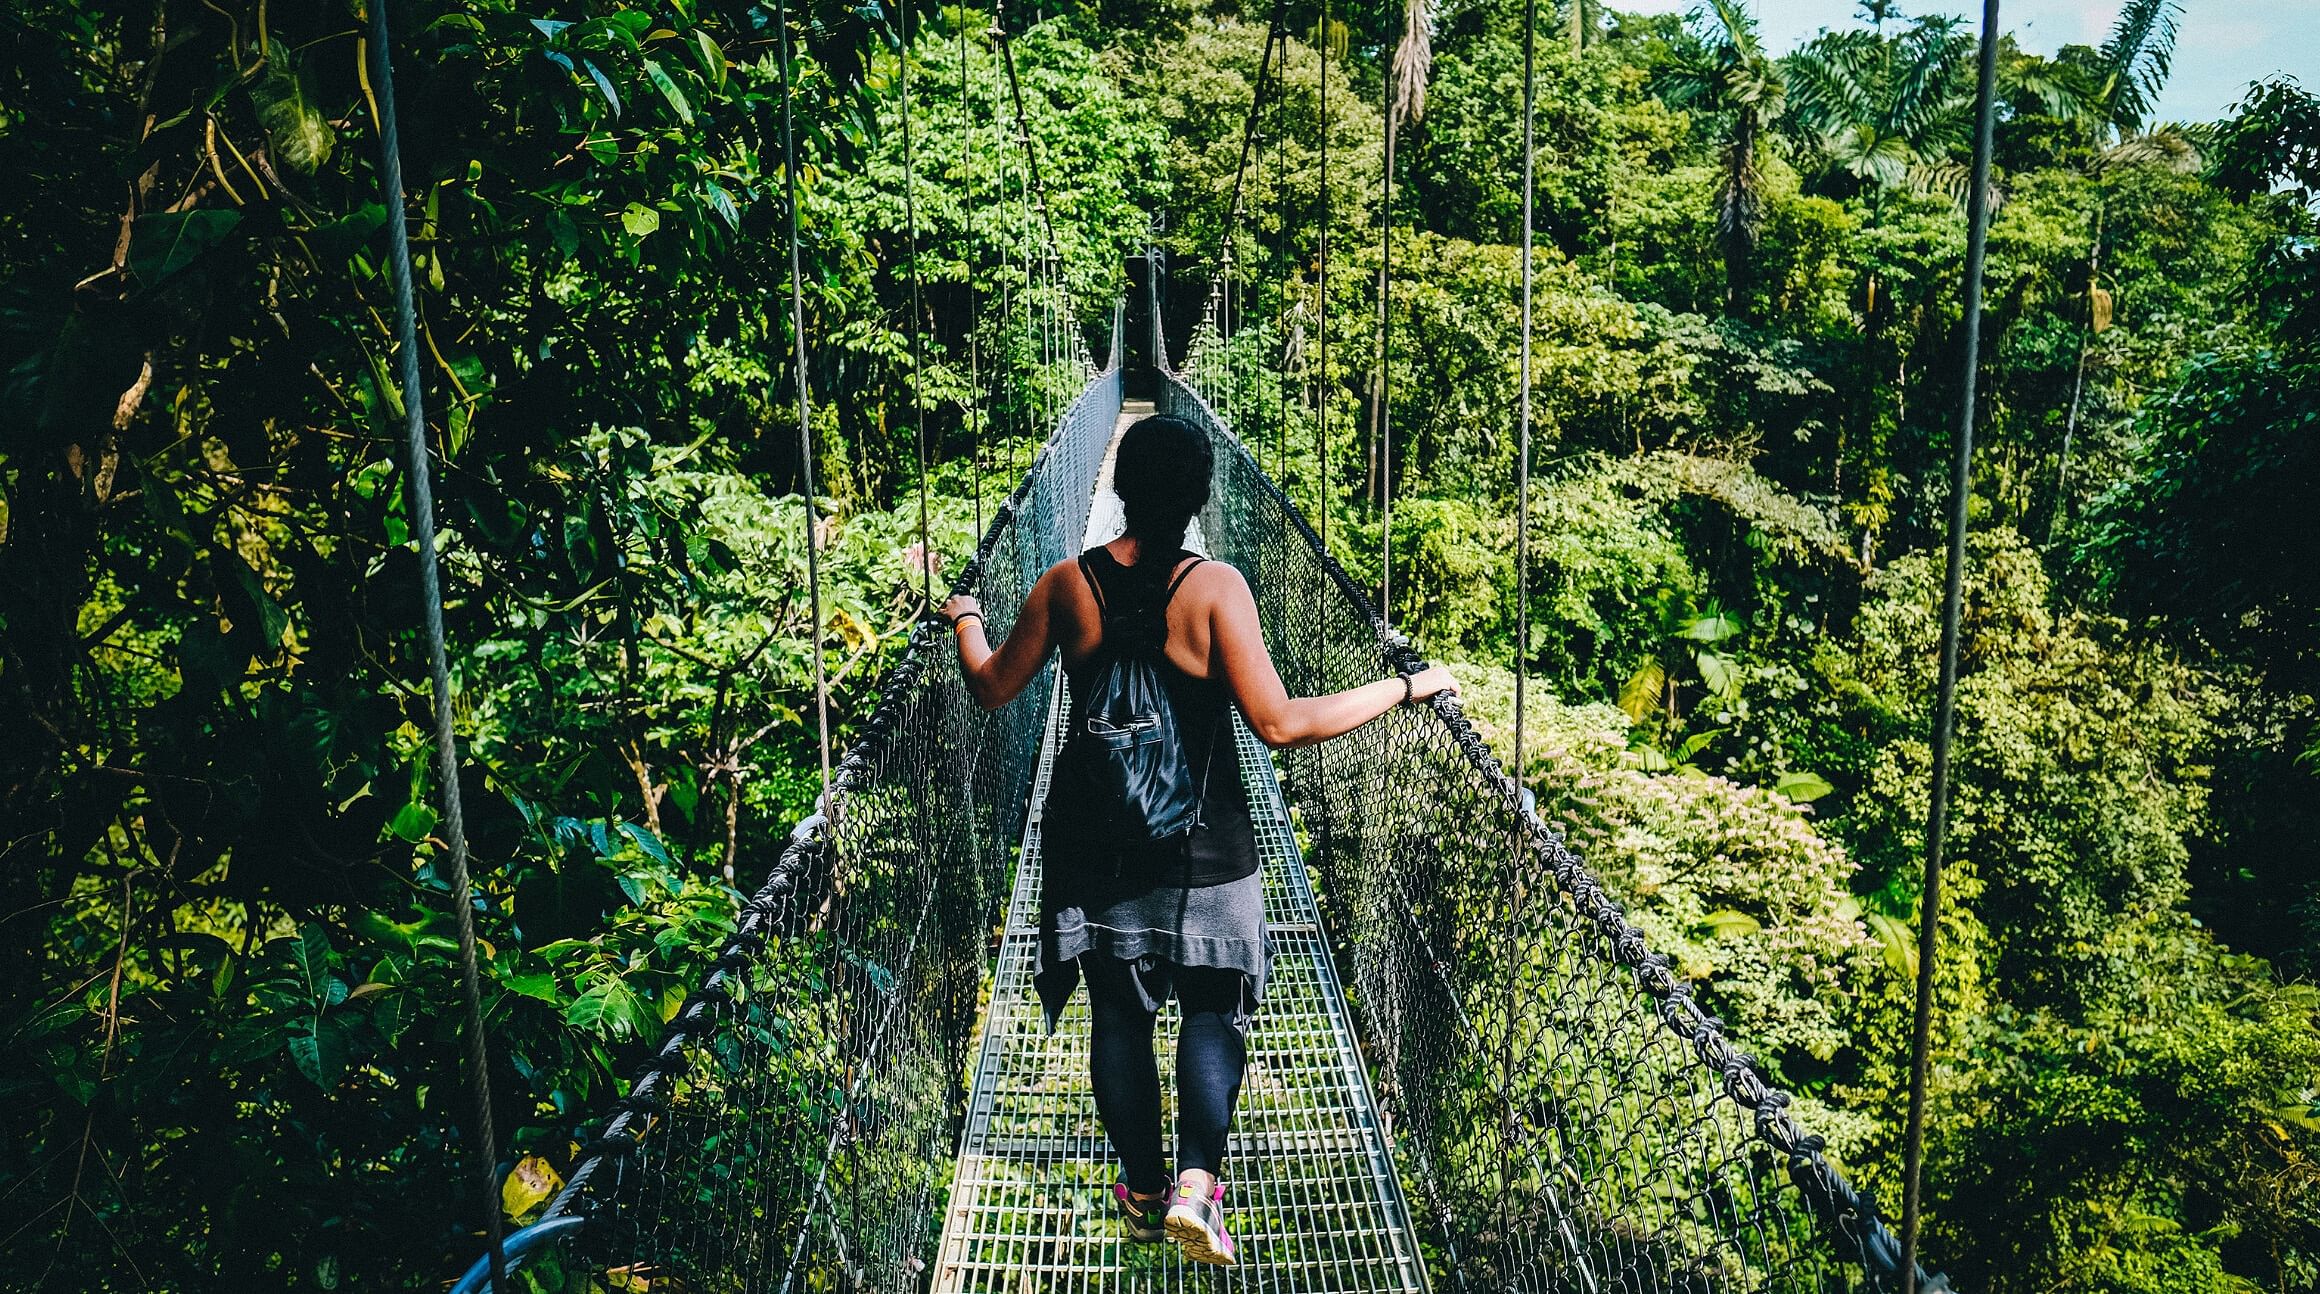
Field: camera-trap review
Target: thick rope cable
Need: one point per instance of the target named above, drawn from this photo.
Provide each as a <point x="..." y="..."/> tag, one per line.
<point x="1952" y="612"/>
<point x="917" y="324"/>
<point x="1384" y="442"/>
<point x="967" y="259"/>
<point x="1321" y="300"/>
<point x="1522" y="533"/>
<point x="797" y="328"/>
<point x="422" y="502"/>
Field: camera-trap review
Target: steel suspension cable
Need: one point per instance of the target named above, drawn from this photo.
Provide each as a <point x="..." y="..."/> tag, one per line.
<point x="1034" y="181"/>
<point x="1522" y="510"/>
<point x="1952" y="613"/>
<point x="1232" y="212"/>
<point x="967" y="259"/>
<point x="1321" y="302"/>
<point x="422" y="503"/>
<point x="1234" y="209"/>
<point x="1383" y="441"/>
<point x="917" y="323"/>
<point x="797" y="328"/>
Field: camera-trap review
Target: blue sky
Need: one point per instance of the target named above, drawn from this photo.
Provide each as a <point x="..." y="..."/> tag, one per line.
<point x="2224" y="43"/>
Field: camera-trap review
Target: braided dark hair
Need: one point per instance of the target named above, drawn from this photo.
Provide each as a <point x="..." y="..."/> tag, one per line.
<point x="1162" y="475"/>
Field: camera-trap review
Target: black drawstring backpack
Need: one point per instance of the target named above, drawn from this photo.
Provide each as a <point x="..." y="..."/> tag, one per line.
<point x="1123" y="776"/>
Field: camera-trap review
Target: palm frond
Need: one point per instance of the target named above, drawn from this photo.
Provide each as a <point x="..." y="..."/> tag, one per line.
<point x="1930" y="91"/>
<point x="2169" y="147"/>
<point x="1832" y="80"/>
<point x="2058" y="89"/>
<point x="1738" y="25"/>
<point x="2135" y="60"/>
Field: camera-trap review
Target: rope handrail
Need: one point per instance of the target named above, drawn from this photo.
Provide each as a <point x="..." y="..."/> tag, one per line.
<point x="1848" y="1215"/>
<point x="803" y="871"/>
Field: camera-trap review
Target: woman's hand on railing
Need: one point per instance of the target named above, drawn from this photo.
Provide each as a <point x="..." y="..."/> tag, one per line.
<point x="1431" y="682"/>
<point x="959" y="604"/>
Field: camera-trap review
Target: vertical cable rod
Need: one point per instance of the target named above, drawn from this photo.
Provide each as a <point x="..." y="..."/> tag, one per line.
<point x="1522" y="468"/>
<point x="917" y="324"/>
<point x="1383" y="444"/>
<point x="1522" y="518"/>
<point x="1321" y="301"/>
<point x="1952" y="613"/>
<point x="797" y="329"/>
<point x="967" y="259"/>
<point x="422" y="502"/>
<point x="1284" y="251"/>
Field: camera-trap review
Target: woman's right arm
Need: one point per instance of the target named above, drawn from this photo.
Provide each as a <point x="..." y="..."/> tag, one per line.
<point x="1283" y="721"/>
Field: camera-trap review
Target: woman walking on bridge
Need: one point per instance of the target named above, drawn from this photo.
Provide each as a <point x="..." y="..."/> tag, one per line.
<point x="1151" y="882"/>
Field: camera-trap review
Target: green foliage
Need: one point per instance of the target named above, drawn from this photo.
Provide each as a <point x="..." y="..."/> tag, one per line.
<point x="1731" y="882"/>
<point x="234" y="1003"/>
<point x="233" y="987"/>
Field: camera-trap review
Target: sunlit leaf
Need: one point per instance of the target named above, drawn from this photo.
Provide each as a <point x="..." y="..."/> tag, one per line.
<point x="1729" y="923"/>
<point x="413" y="822"/>
<point x="1803" y="788"/>
<point x="532" y="1182"/>
<point x="670" y="91"/>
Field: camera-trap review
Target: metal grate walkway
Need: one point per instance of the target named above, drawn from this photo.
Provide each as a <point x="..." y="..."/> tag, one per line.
<point x="1313" y="1197"/>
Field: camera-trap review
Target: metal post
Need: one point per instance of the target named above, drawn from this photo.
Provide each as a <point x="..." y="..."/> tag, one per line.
<point x="454" y="833"/>
<point x="1952" y="605"/>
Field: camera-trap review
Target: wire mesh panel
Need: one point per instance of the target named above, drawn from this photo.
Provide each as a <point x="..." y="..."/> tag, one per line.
<point x="1535" y="1083"/>
<point x="1568" y="1117"/>
<point x="798" y="1122"/>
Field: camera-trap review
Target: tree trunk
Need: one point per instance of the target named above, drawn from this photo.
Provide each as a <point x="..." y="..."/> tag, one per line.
<point x="2077" y="380"/>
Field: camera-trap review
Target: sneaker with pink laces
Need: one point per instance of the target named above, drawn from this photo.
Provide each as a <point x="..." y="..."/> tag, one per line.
<point x="1198" y="1225"/>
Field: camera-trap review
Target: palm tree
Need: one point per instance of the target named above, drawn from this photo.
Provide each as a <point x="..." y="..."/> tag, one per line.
<point x="1884" y="113"/>
<point x="1887" y="113"/>
<point x="1728" y="74"/>
<point x="2111" y="93"/>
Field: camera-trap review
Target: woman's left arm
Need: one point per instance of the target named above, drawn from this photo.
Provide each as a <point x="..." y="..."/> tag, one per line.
<point x="995" y="677"/>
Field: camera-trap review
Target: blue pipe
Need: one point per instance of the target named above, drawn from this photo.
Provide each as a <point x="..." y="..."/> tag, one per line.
<point x="518" y="1247"/>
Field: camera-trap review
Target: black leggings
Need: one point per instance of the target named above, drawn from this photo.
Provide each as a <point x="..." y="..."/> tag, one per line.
<point x="1210" y="1055"/>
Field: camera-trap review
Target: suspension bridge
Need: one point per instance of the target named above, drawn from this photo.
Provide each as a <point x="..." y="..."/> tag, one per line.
<point x="1470" y="1072"/>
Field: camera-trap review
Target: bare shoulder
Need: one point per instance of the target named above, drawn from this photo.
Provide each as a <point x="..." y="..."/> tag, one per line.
<point x="1062" y="584"/>
<point x="1215" y="581"/>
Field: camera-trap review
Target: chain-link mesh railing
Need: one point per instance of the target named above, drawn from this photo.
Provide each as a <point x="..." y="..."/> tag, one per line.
<point x="799" y="1117"/>
<point x="1568" y="1118"/>
<point x="1564" y="1116"/>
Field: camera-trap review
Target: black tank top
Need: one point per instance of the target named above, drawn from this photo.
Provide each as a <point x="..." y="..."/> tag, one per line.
<point x="1224" y="845"/>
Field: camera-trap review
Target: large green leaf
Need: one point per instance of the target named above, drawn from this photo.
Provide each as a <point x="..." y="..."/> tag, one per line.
<point x="1729" y="924"/>
<point x="1896" y="940"/>
<point x="165" y="242"/>
<point x="321" y="1053"/>
<point x="670" y="90"/>
<point x="1803" y="788"/>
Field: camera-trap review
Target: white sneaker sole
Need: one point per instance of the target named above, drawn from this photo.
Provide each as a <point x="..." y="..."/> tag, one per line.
<point x="1200" y="1244"/>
